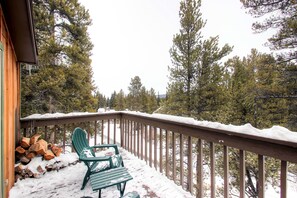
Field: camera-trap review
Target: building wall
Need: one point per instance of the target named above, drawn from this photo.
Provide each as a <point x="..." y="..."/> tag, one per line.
<point x="11" y="105"/>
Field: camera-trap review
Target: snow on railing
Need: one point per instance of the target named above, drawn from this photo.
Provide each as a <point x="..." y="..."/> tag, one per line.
<point x="185" y="150"/>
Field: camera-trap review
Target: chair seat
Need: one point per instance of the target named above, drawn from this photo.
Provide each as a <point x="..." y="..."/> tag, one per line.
<point x="100" y="166"/>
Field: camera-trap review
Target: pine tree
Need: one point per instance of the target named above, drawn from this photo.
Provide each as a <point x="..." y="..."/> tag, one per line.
<point x="185" y="55"/>
<point x="281" y="15"/>
<point x="120" y="101"/>
<point x="196" y="78"/>
<point x="64" y="60"/>
<point x="210" y="91"/>
<point x="134" y="99"/>
<point x="152" y="103"/>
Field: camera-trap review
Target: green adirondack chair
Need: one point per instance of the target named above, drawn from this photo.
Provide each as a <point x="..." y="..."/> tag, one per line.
<point x="87" y="155"/>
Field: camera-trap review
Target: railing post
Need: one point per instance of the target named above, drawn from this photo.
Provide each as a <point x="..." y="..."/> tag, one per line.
<point x="173" y="158"/>
<point x="212" y="170"/>
<point x="226" y="172"/>
<point x="181" y="160"/>
<point x="190" y="165"/>
<point x="199" y="169"/>
<point x="242" y="173"/>
<point x="155" y="148"/>
<point x="284" y="172"/>
<point x="261" y="183"/>
<point x="167" y="153"/>
<point x="161" y="151"/>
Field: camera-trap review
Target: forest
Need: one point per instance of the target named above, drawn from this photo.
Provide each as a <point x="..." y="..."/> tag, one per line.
<point x="259" y="88"/>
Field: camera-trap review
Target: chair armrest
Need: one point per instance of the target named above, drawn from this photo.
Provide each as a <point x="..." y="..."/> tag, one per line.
<point x="95" y="159"/>
<point x="107" y="146"/>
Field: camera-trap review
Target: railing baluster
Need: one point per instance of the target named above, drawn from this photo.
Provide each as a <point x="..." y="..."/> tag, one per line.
<point x="190" y="165"/>
<point x="114" y="131"/>
<point x="125" y="132"/>
<point x="155" y="148"/>
<point x="284" y="172"/>
<point x="95" y="132"/>
<point x="242" y="173"/>
<point x="55" y="134"/>
<point x="141" y="140"/>
<point x="108" y="131"/>
<point x="173" y="158"/>
<point x="261" y="184"/>
<point x="199" y="169"/>
<point x="64" y="137"/>
<point x="145" y="143"/>
<point x="226" y="172"/>
<point x="167" y="153"/>
<point x="181" y="160"/>
<point x="134" y="138"/>
<point x="138" y="139"/>
<point x="212" y="170"/>
<point x="102" y="131"/>
<point x="45" y="133"/>
<point x="121" y="132"/>
<point x="131" y="136"/>
<point x="161" y="151"/>
<point x="150" y="146"/>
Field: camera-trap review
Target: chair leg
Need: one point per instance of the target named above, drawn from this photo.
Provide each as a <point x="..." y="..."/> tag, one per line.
<point x="86" y="179"/>
<point x="121" y="188"/>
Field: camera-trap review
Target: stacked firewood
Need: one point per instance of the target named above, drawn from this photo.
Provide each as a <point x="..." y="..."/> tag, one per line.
<point x="30" y="148"/>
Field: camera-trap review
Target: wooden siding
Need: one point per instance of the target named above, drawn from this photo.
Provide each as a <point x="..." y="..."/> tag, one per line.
<point x="11" y="104"/>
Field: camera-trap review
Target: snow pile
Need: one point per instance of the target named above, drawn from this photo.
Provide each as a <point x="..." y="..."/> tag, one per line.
<point x="67" y="182"/>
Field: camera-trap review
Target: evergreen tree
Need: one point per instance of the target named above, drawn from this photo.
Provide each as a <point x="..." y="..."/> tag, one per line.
<point x="112" y="100"/>
<point x="120" y="101"/>
<point x="152" y="103"/>
<point x="185" y="55"/>
<point x="101" y="100"/>
<point x="196" y="78"/>
<point x="134" y="97"/>
<point x="281" y="15"/>
<point x="211" y="93"/>
<point x="64" y="60"/>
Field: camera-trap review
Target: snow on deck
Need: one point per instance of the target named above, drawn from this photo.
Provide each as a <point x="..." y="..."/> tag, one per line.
<point x="67" y="182"/>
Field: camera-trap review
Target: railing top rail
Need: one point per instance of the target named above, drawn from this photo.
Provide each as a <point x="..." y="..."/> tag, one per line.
<point x="56" y="119"/>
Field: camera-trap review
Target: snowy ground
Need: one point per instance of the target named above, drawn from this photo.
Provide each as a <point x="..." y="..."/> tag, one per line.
<point x="67" y="182"/>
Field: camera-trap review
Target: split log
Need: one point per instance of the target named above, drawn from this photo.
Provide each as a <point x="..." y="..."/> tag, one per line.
<point x="24" y="160"/>
<point x="39" y="147"/>
<point x="29" y="172"/>
<point x="25" y="142"/>
<point x="56" y="150"/>
<point x="18" y="169"/>
<point x="40" y="169"/>
<point x="48" y="155"/>
<point x="20" y="150"/>
<point x="34" y="139"/>
<point x="31" y="155"/>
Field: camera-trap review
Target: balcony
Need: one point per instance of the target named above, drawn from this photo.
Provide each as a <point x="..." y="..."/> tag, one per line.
<point x="191" y="155"/>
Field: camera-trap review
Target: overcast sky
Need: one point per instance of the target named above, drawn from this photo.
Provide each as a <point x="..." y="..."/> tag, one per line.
<point x="133" y="37"/>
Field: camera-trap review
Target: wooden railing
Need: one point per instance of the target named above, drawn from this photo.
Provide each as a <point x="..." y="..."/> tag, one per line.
<point x="186" y="153"/>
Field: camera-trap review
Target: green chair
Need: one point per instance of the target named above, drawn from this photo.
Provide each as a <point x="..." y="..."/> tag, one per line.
<point x="87" y="155"/>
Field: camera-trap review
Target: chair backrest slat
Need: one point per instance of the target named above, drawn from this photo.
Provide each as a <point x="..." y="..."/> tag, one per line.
<point x="79" y="141"/>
